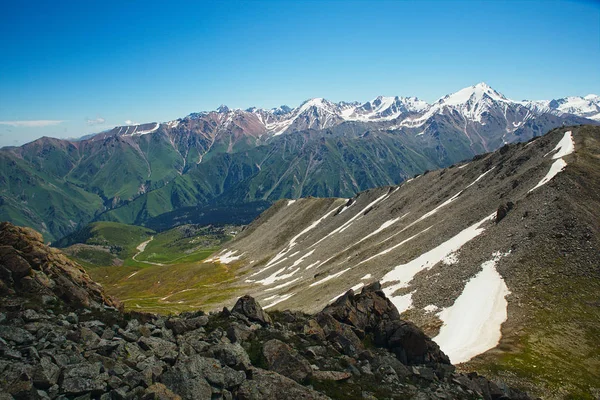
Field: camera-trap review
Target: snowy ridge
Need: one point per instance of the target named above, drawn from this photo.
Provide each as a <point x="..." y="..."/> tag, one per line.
<point x="475" y="105"/>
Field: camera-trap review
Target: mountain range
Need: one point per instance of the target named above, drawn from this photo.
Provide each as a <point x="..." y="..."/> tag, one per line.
<point x="201" y="167"/>
<point x="495" y="258"/>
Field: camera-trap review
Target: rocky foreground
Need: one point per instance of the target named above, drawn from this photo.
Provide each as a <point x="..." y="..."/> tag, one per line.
<point x="62" y="338"/>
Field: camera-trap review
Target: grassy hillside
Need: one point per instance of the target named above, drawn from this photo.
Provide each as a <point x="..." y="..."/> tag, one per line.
<point x="169" y="265"/>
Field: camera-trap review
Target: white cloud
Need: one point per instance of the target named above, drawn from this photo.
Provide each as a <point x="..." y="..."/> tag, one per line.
<point x="130" y="122"/>
<point x="31" y="124"/>
<point x="97" y="121"/>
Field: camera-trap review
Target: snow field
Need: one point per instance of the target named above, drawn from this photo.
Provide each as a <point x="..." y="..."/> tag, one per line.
<point x="472" y="325"/>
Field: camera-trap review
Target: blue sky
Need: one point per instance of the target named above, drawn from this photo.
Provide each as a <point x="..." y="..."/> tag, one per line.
<point x="68" y="68"/>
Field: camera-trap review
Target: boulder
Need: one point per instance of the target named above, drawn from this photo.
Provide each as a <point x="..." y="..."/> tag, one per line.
<point x="249" y="308"/>
<point x="83" y="378"/>
<point x="268" y="385"/>
<point x="282" y="359"/>
<point x="371" y="312"/>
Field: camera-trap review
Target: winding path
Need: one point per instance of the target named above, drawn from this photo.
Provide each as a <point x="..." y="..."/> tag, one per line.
<point x="140" y="248"/>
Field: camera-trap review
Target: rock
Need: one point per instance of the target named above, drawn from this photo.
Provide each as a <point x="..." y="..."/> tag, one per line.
<point x="232" y="355"/>
<point x="237" y="332"/>
<point x="503" y="210"/>
<point x="409" y="343"/>
<point x="72" y="318"/>
<point x="15" y="334"/>
<point x="46" y="374"/>
<point x="84" y="377"/>
<point x="30" y="315"/>
<point x="268" y="385"/>
<point x="190" y="378"/>
<point x="158" y="391"/>
<point x="29" y="266"/>
<point x="331" y="375"/>
<point x="249" y="307"/>
<point x="370" y="312"/>
<point x="89" y="338"/>
<point x="314" y="330"/>
<point x="182" y="325"/>
<point x="282" y="359"/>
<point x="341" y="335"/>
<point x="163" y="349"/>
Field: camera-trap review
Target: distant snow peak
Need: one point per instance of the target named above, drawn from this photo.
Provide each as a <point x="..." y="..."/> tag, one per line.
<point x="471" y="108"/>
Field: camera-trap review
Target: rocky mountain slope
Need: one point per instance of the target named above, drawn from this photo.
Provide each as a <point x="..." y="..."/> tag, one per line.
<point x="62" y="338"/>
<point x="497" y="256"/>
<point x="207" y="164"/>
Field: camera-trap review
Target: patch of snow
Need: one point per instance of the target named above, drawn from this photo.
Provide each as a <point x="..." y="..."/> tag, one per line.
<point x="450" y="259"/>
<point x="367" y="276"/>
<point x="135" y="273"/>
<point x="290" y="202"/>
<point x="565" y="147"/>
<point x="225" y="257"/>
<point x="479" y="177"/>
<point x="282" y="285"/>
<point x="345" y="225"/>
<point x="555" y="168"/>
<point x="136" y="132"/>
<point x="472" y="324"/>
<point x="431" y="308"/>
<point x="383" y="226"/>
<point x="353" y="288"/>
<point x="394" y="246"/>
<point x="279" y="300"/>
<point x="312" y="265"/>
<point x="403" y="274"/>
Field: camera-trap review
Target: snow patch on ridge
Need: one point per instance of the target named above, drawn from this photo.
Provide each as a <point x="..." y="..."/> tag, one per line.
<point x="564" y="147"/>
<point x="472" y="324"/>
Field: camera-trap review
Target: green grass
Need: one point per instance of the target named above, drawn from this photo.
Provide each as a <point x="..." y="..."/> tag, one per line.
<point x="182" y="283"/>
<point x="121" y="239"/>
<point x="557" y="351"/>
<point x="169" y="289"/>
<point x="185" y="244"/>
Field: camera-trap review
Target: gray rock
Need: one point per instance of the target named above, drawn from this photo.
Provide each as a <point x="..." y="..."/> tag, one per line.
<point x="46" y="374"/>
<point x="83" y="378"/>
<point x="249" y="307"/>
<point x="190" y="378"/>
<point x="282" y="359"/>
<point x="15" y="334"/>
<point x="163" y="349"/>
<point x="232" y="355"/>
<point x="268" y="385"/>
<point x="182" y="325"/>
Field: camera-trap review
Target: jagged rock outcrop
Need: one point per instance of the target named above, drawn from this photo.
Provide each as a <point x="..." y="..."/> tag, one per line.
<point x="371" y="313"/>
<point x="30" y="268"/>
<point x="358" y="347"/>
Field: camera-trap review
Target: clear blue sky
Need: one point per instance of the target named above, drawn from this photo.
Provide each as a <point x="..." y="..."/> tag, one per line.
<point x="144" y="61"/>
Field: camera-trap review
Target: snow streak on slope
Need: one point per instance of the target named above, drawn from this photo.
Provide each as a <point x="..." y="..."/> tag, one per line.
<point x="402" y="275"/>
<point x="225" y="257"/>
<point x="565" y="147"/>
<point x="472" y="324"/>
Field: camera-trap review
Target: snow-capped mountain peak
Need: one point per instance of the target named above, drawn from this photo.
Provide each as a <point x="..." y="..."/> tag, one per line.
<point x="472" y="94"/>
<point x="470" y="108"/>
